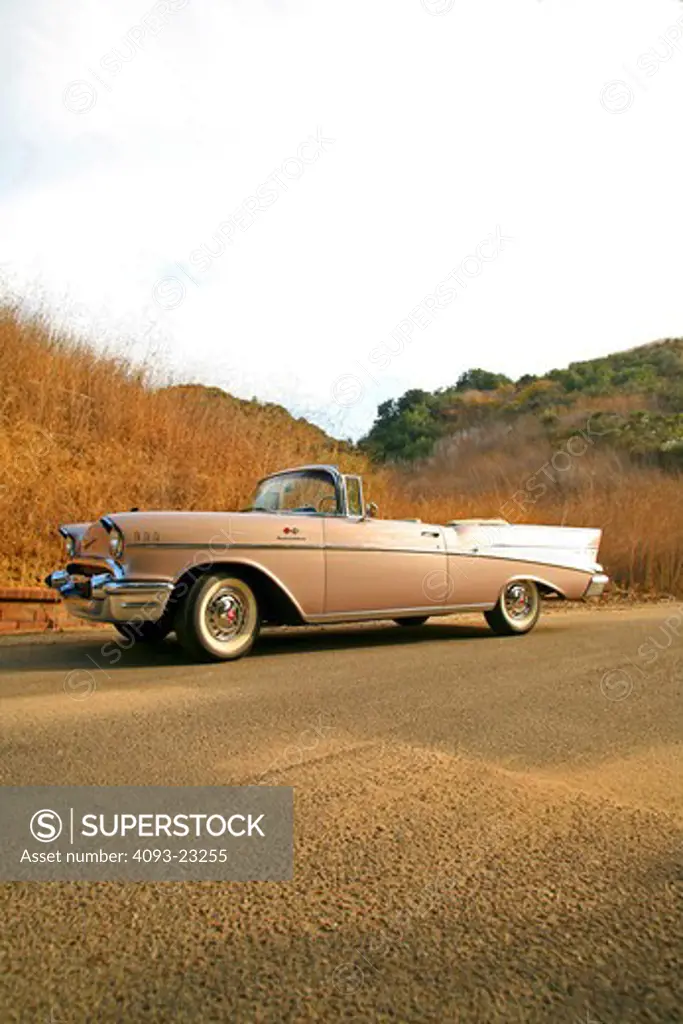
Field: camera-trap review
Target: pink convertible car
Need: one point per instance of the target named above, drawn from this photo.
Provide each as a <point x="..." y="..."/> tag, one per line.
<point x="309" y="550"/>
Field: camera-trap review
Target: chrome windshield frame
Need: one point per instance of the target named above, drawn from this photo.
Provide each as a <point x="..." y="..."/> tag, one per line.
<point x="332" y="472"/>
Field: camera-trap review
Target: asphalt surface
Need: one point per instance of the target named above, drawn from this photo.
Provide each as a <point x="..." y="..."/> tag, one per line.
<point x="487" y="829"/>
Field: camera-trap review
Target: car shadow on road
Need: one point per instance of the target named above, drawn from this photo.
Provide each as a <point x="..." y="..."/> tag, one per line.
<point x="89" y="653"/>
<point x="333" y="638"/>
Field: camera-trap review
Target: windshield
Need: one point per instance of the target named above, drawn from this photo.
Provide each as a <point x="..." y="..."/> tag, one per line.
<point x="305" y="491"/>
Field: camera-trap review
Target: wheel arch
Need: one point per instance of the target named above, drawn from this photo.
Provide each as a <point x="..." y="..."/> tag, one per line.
<point x="276" y="603"/>
<point x="545" y="587"/>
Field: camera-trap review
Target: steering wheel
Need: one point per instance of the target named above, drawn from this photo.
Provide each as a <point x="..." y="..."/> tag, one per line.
<point x="325" y="500"/>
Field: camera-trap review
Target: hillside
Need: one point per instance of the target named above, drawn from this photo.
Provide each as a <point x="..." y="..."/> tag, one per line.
<point x="82" y="435"/>
<point x="638" y="393"/>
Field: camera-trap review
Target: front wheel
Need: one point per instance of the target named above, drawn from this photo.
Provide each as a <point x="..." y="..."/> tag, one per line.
<point x="219" y="620"/>
<point x="518" y="609"/>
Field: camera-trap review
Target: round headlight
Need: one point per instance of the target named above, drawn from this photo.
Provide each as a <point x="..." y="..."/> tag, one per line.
<point x="116" y="544"/>
<point x="70" y="545"/>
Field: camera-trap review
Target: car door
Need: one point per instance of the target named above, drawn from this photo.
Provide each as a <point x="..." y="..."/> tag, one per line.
<point x="380" y="565"/>
<point x="289" y="548"/>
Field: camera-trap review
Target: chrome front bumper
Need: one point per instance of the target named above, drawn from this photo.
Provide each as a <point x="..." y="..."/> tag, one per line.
<point x="597" y="585"/>
<point x="106" y="598"/>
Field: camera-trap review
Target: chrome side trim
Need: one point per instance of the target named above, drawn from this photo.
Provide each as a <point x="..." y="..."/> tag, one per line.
<point x="212" y="546"/>
<point x="386" y="551"/>
<point x="524" y="561"/>
<point x="284" y="545"/>
<point x="355" y="550"/>
<point x="392" y="613"/>
<point x="536" y="547"/>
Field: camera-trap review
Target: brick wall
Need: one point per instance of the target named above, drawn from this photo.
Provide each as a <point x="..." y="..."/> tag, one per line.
<point x="34" y="610"/>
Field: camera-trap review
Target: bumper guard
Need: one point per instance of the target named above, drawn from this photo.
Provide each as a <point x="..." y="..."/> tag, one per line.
<point x="106" y="598"/>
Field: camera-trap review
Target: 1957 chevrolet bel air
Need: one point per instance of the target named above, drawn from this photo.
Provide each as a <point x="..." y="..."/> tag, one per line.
<point x="309" y="550"/>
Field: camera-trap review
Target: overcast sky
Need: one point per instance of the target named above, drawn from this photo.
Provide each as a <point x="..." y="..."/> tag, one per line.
<point x="325" y="203"/>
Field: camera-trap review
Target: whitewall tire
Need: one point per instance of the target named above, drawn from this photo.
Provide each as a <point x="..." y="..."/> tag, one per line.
<point x="518" y="609"/>
<point x="219" y="619"/>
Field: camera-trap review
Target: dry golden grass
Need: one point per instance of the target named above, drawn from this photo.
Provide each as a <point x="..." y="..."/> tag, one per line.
<point x="516" y="474"/>
<point x="82" y="435"/>
<point x="642" y="547"/>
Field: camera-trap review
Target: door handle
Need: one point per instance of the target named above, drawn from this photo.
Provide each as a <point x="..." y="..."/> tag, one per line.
<point x="431" y="533"/>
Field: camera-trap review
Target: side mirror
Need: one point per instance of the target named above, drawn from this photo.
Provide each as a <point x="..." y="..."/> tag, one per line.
<point x="371" y="511"/>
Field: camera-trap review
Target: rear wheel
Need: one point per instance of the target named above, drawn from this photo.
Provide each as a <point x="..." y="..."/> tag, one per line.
<point x="219" y="619"/>
<point x="412" y="620"/>
<point x="518" y="609"/>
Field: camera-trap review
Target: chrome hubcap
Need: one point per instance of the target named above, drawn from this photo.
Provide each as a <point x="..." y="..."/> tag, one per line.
<point x="519" y="601"/>
<point x="226" y="615"/>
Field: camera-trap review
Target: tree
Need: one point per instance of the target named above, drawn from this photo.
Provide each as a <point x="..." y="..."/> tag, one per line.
<point x="480" y="380"/>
